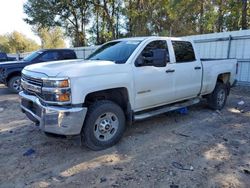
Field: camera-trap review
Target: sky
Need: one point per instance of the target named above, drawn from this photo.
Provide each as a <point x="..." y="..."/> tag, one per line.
<point x="11" y="19"/>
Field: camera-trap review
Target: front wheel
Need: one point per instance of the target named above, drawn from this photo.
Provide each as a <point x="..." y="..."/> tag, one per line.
<point x="217" y="99"/>
<point x="15" y="84"/>
<point x="104" y="125"/>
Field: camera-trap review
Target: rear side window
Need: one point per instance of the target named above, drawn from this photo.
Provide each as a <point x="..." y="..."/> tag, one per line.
<point x="184" y="51"/>
<point x="50" y="56"/>
<point x="69" y="54"/>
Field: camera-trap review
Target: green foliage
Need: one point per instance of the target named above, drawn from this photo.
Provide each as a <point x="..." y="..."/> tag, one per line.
<point x="17" y="43"/>
<point x="72" y="15"/>
<point x="51" y="38"/>
<point x="103" y="20"/>
<point x="4" y="44"/>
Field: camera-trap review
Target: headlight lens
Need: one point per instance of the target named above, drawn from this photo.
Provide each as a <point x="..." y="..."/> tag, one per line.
<point x="51" y="97"/>
<point x="56" y="83"/>
<point x="56" y="90"/>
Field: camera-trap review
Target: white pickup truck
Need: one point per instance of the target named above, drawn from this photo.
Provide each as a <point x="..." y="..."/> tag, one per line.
<point x="122" y="81"/>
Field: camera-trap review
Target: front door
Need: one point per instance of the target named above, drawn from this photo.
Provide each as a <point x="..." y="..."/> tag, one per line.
<point x="153" y="85"/>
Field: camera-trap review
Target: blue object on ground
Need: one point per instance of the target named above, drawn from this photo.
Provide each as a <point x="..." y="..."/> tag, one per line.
<point x="29" y="152"/>
<point x="182" y="110"/>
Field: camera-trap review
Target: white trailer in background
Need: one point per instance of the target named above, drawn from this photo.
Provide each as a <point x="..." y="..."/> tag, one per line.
<point x="234" y="44"/>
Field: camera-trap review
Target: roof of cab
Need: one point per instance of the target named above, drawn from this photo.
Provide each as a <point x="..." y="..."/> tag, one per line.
<point x="147" y="37"/>
<point x="56" y="49"/>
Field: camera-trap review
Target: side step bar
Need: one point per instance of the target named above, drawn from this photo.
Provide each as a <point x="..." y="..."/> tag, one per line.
<point x="167" y="108"/>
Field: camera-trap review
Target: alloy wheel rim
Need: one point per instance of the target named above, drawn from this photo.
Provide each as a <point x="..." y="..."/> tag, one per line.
<point x="17" y="85"/>
<point x="106" y="126"/>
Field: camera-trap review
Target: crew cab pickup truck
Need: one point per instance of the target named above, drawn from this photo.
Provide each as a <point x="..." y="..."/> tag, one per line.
<point x="5" y="57"/>
<point x="10" y="72"/>
<point x="123" y="81"/>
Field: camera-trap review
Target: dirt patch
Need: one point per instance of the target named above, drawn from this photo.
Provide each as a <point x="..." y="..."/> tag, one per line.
<point x="201" y="149"/>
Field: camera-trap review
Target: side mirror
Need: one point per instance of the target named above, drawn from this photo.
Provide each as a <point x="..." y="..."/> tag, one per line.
<point x="159" y="57"/>
<point x="155" y="58"/>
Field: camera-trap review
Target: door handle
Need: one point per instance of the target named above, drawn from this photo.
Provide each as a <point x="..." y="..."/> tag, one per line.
<point x="197" y="68"/>
<point x="170" y="70"/>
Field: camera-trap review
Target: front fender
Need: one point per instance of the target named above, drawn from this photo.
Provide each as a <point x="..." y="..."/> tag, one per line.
<point x="82" y="86"/>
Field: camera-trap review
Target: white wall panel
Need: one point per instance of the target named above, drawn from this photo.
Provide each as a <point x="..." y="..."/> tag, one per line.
<point x="215" y="45"/>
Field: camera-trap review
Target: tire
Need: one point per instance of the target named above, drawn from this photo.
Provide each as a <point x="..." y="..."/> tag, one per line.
<point x="217" y="99"/>
<point x="15" y="84"/>
<point x="104" y="125"/>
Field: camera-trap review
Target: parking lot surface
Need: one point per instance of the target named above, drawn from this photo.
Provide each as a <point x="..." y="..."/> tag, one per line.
<point x="202" y="148"/>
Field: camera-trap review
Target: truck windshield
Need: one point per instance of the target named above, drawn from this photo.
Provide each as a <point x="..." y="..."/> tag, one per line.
<point x="117" y="51"/>
<point x="32" y="56"/>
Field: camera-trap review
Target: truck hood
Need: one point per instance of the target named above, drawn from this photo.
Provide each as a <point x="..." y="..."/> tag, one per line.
<point x="10" y="63"/>
<point x="75" y="68"/>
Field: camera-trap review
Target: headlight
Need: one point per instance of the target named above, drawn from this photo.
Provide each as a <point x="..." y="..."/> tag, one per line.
<point x="56" y="90"/>
<point x="56" y="83"/>
<point x="52" y="97"/>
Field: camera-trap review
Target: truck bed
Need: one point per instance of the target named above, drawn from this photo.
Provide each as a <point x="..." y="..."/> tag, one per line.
<point x="212" y="67"/>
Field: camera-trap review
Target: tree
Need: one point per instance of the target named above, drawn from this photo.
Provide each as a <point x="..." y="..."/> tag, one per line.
<point x="17" y="43"/>
<point x="72" y="15"/>
<point x="107" y="15"/>
<point x="244" y="15"/>
<point x="51" y="38"/>
<point x="104" y="20"/>
<point x="4" y="44"/>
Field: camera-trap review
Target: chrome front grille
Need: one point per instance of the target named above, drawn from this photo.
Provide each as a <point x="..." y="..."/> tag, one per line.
<point x="33" y="81"/>
<point x="31" y="85"/>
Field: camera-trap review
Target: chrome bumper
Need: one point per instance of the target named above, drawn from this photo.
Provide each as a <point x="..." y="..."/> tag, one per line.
<point x="53" y="119"/>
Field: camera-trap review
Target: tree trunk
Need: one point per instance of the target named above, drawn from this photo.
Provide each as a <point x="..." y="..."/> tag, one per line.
<point x="130" y="24"/>
<point x="244" y="15"/>
<point x="201" y="29"/>
<point x="220" y="17"/>
<point x="97" y="28"/>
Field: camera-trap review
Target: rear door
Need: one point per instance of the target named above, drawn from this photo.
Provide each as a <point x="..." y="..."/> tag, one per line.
<point x="188" y="70"/>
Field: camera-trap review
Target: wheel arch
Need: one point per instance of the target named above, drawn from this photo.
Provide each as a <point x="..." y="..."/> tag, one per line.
<point x="225" y="79"/>
<point x="12" y="74"/>
<point x="118" y="95"/>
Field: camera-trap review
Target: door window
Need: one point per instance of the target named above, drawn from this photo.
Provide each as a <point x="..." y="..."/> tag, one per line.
<point x="68" y="54"/>
<point x="184" y="51"/>
<point x="148" y="50"/>
<point x="49" y="56"/>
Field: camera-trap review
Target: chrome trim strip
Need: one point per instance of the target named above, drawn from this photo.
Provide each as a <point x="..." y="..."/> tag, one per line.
<point x="56" y="90"/>
<point x="30" y="87"/>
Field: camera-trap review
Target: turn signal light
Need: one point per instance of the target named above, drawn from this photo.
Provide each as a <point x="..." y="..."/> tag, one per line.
<point x="63" y="97"/>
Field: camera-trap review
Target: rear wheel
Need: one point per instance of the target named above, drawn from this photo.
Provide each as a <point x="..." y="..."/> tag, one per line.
<point x="104" y="125"/>
<point x="217" y="99"/>
<point x="15" y="84"/>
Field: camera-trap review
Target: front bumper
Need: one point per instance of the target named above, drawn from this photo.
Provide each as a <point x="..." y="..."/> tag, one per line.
<point x="2" y="76"/>
<point x="53" y="119"/>
<point x="2" y="79"/>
